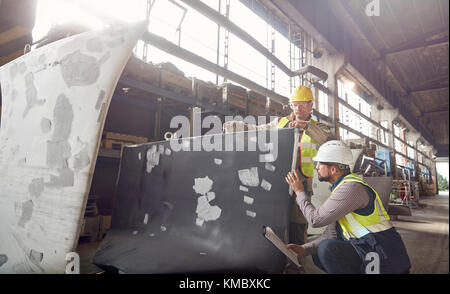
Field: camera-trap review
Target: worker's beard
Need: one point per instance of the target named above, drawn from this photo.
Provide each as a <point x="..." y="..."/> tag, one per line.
<point x="324" y="179"/>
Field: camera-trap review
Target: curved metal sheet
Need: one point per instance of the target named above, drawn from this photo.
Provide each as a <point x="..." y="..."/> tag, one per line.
<point x="55" y="100"/>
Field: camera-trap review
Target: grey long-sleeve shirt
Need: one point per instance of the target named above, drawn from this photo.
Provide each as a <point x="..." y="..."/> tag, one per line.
<point x="347" y="198"/>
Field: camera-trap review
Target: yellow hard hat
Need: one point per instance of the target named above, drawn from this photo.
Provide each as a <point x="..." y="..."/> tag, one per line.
<point x="302" y="93"/>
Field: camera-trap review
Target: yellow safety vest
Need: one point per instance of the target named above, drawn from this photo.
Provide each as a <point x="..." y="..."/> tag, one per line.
<point x="354" y="225"/>
<point x="308" y="149"/>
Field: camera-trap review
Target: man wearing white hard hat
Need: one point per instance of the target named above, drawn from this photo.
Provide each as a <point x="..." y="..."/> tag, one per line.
<point x="312" y="135"/>
<point x="359" y="237"/>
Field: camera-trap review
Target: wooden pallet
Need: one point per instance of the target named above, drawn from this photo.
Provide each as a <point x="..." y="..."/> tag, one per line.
<point x="276" y="108"/>
<point x="236" y="102"/>
<point x="208" y="92"/>
<point x="143" y="71"/>
<point x="176" y="83"/>
<point x="257" y="99"/>
<point x="114" y="144"/>
<point x="125" y="138"/>
<point x="235" y="96"/>
<point x="256" y="110"/>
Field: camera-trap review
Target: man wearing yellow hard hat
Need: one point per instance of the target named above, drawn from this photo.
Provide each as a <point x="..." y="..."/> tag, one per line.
<point x="313" y="134"/>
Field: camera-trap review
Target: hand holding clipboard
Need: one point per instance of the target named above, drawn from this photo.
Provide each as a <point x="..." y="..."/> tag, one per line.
<point x="273" y="238"/>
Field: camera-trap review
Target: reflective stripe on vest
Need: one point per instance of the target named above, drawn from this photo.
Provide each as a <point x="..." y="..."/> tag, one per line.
<point x="354" y="225"/>
<point x="308" y="152"/>
<point x="308" y="148"/>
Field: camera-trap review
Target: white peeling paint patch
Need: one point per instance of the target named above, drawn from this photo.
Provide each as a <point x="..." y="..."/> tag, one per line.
<point x="202" y="253"/>
<point x="267" y="158"/>
<point x="135" y="232"/>
<point x="242" y="188"/>
<point x="186" y="144"/>
<point x="168" y="152"/>
<point x="205" y="211"/>
<point x="248" y="200"/>
<point x="253" y="139"/>
<point x="163" y="228"/>
<point x="266" y="185"/>
<point x="139" y="156"/>
<point x="161" y="149"/>
<point x="249" y="177"/>
<point x="152" y="158"/>
<point x="151" y="235"/>
<point x="146" y="219"/>
<point x="211" y="196"/>
<point x="269" y="167"/>
<point x="217" y="161"/>
<point x="199" y="221"/>
<point x="250" y="213"/>
<point x="202" y="185"/>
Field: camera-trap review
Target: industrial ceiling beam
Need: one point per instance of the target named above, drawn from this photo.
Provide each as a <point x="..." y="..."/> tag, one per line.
<point x="435" y="113"/>
<point x="442" y="151"/>
<point x="343" y="6"/>
<point x="429" y="88"/>
<point x="414" y="45"/>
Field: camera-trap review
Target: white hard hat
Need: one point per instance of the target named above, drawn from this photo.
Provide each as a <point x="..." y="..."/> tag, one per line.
<point x="336" y="152"/>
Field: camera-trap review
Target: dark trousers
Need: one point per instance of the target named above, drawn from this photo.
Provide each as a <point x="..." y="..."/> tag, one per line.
<point x="297" y="233"/>
<point x="338" y="257"/>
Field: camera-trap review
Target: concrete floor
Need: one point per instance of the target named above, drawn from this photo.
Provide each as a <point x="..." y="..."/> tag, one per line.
<point x="425" y="234"/>
<point x="87" y="252"/>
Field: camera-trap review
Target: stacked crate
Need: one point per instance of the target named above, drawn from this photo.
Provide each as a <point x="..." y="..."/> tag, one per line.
<point x="143" y="71"/>
<point x="276" y="108"/>
<point x="235" y="97"/>
<point x="173" y="79"/>
<point x="257" y="104"/>
<point x="207" y="92"/>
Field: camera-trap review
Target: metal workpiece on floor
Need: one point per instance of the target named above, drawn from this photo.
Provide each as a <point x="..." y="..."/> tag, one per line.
<point x="201" y="212"/>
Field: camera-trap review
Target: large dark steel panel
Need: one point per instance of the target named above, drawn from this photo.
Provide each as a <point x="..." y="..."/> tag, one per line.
<point x="169" y="240"/>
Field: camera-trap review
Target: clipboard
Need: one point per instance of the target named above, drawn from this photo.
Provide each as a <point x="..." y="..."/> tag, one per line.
<point x="270" y="235"/>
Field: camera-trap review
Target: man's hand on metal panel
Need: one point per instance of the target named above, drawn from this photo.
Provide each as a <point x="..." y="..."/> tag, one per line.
<point x="293" y="179"/>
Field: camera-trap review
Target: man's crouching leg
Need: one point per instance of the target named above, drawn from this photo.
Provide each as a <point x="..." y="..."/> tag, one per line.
<point x="338" y="257"/>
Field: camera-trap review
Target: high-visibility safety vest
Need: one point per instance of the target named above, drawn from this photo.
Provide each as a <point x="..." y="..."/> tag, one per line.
<point x="354" y="225"/>
<point x="308" y="149"/>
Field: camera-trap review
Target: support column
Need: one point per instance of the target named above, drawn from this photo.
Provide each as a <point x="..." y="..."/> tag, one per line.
<point x="333" y="66"/>
<point x="390" y="115"/>
<point x="376" y="115"/>
<point x="415" y="136"/>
